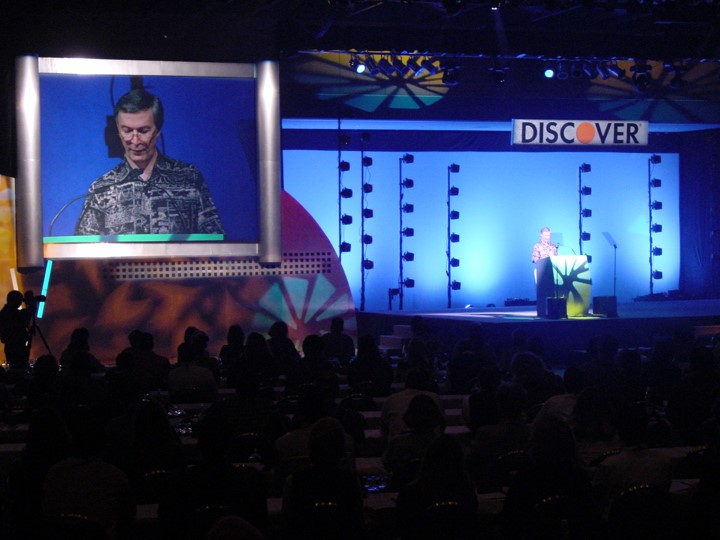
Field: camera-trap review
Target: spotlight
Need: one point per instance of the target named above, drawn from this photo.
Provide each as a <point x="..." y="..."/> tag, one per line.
<point x="586" y="212"/>
<point x="454" y="263"/>
<point x="407" y="158"/>
<point x="677" y="81"/>
<point x="367" y="161"/>
<point x="408" y="283"/>
<point x="393" y="291"/>
<point x="408" y="256"/>
<point x="655" y="182"/>
<point x="561" y="73"/>
<point x="657" y="251"/>
<point x="455" y="285"/>
<point x="585" y="236"/>
<point x="408" y="231"/>
<point x="454" y="238"/>
<point x="641" y="75"/>
<point x="454" y="191"/>
<point x="367" y="188"/>
<point x="368" y="264"/>
<point x="344" y="166"/>
<point x="386" y="67"/>
<point x="346" y="193"/>
<point x="367" y="239"/>
<point x="588" y="70"/>
<point x="602" y="71"/>
<point x="454" y="214"/>
<point x="454" y="168"/>
<point x="616" y="71"/>
<point x="657" y="274"/>
<point x="656" y="227"/>
<point x="357" y="65"/>
<point x="399" y="66"/>
<point x="586" y="190"/>
<point x="585" y="167"/>
<point x="346" y="220"/>
<point x="407" y="183"/>
<point x="367" y="213"/>
<point x="408" y="208"/>
<point x="450" y="76"/>
<point x="576" y="70"/>
<point x="549" y="71"/>
<point x="414" y="66"/>
<point x="655" y="159"/>
<point x="345" y="247"/>
<point x="656" y="205"/>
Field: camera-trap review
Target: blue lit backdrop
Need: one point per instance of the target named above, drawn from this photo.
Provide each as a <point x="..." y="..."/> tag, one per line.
<point x="505" y="198"/>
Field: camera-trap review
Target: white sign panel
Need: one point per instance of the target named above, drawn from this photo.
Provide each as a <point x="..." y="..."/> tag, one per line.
<point x="580" y="132"/>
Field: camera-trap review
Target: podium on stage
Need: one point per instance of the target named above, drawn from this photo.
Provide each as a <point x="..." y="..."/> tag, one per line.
<point x="563" y="286"/>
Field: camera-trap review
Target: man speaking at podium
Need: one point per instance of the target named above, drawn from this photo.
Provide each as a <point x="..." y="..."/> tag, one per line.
<point x="148" y="192"/>
<point x="544" y="248"/>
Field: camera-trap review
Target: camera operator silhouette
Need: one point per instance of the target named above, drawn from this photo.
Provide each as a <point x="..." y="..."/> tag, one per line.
<point x="15" y="330"/>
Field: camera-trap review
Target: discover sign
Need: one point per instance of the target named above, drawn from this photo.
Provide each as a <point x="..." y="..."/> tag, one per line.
<point x="583" y="132"/>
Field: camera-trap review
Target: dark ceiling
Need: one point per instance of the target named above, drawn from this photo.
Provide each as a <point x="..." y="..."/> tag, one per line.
<point x="247" y="30"/>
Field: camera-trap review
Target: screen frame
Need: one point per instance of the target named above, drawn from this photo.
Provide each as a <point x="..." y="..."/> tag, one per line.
<point x="31" y="251"/>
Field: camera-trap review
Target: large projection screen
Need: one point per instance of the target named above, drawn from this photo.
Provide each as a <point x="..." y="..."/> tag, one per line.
<point x="221" y="118"/>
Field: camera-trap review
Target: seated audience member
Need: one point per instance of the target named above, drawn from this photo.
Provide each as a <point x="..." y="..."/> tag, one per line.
<point x="255" y="364"/>
<point x="369" y="373"/>
<point x="147" y="369"/>
<point x="199" y="349"/>
<point x="77" y="359"/>
<point x="324" y="500"/>
<point x="480" y="407"/>
<point x="441" y="502"/>
<point x="552" y="496"/>
<point x="85" y="484"/>
<point x="510" y="434"/>
<point x="282" y="347"/>
<point x="200" y="494"/>
<point x="233" y="348"/>
<point x="312" y="368"/>
<point x="338" y="346"/>
<point x="42" y="388"/>
<point x="188" y="381"/>
<point x="594" y="427"/>
<point x="635" y="464"/>
<point x="562" y="405"/>
<point x="540" y="384"/>
<point x="417" y="381"/>
<point x="405" y="451"/>
<point x="469" y="356"/>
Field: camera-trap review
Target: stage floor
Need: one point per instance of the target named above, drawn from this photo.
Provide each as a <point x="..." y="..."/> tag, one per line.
<point x="638" y="324"/>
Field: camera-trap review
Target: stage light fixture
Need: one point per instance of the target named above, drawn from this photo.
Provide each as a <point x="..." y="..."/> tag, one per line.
<point x="407" y="158"/>
<point x="393" y="291"/>
<point x="656" y="182"/>
<point x="586" y="212"/>
<point x="368" y="264"/>
<point x="656" y="205"/>
<point x="454" y="263"/>
<point x="344" y="166"/>
<point x="455" y="285"/>
<point x="616" y="71"/>
<point x="345" y="247"/>
<point x="408" y="208"/>
<point x="408" y="256"/>
<point x="454" y="238"/>
<point x="641" y="75"/>
<point x="372" y="66"/>
<point x="454" y="168"/>
<point x="400" y="66"/>
<point x="367" y="213"/>
<point x="454" y="214"/>
<point x="548" y="71"/>
<point x="414" y="66"/>
<point x="407" y="183"/>
<point x="585" y="236"/>
<point x="657" y="274"/>
<point x="657" y="251"/>
<point x="367" y="239"/>
<point x="346" y="193"/>
<point x="585" y="168"/>
<point x="656" y="227"/>
<point x="357" y="65"/>
<point x="408" y="283"/>
<point x="367" y="161"/>
<point x="454" y="191"/>
<point x="386" y="67"/>
<point x="655" y="159"/>
<point x="346" y="219"/>
<point x="677" y="80"/>
<point x="408" y="231"/>
<point x="450" y="76"/>
<point x="588" y="70"/>
<point x="602" y="71"/>
<point x="367" y="188"/>
<point x="429" y="66"/>
<point x="589" y="258"/>
<point x="561" y="72"/>
<point x="586" y="190"/>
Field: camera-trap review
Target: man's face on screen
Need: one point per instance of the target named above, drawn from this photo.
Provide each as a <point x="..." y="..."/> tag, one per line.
<point x="138" y="134"/>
